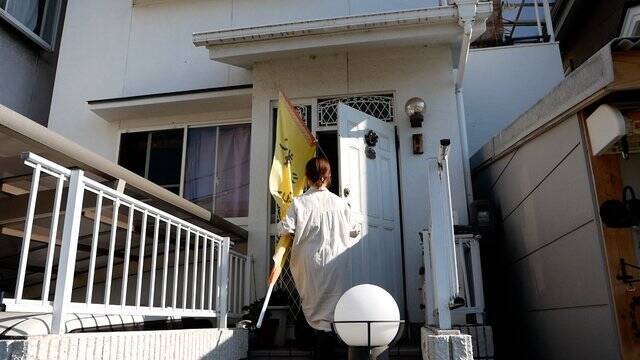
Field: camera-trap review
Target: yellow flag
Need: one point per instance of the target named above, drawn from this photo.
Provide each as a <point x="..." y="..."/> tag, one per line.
<point x="294" y="146"/>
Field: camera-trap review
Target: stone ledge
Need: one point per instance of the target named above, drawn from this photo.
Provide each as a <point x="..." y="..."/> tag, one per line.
<point x="162" y="344"/>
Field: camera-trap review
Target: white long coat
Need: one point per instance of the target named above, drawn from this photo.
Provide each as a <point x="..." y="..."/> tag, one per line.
<point x="323" y="230"/>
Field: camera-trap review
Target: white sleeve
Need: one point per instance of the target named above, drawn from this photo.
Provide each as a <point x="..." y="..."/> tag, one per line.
<point x="288" y="224"/>
<point x="354" y="226"/>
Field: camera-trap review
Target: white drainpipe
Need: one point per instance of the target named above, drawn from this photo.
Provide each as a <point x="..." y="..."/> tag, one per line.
<point x="462" y="122"/>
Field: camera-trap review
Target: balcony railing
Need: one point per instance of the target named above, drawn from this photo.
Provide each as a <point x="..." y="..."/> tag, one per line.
<point x="155" y="264"/>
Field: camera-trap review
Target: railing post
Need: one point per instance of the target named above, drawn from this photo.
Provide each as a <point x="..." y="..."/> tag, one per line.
<point x="66" y="267"/>
<point x="246" y="298"/>
<point x="223" y="283"/>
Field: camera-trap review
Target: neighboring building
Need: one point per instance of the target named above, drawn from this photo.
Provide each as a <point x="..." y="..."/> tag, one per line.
<point x="560" y="266"/>
<point x="29" y="41"/>
<point x="584" y="27"/>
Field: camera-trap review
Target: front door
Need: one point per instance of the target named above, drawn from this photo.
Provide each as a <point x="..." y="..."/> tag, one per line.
<point x="369" y="182"/>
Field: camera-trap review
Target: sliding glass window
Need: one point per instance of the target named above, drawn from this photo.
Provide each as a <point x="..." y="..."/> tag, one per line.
<point x="216" y="165"/>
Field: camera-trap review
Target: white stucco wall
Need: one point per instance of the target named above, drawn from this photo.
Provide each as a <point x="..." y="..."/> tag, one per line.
<point x="112" y="49"/>
<point x="503" y="82"/>
<point x="407" y="72"/>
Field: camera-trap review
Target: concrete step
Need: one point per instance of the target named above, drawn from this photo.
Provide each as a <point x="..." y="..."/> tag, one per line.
<point x="397" y="353"/>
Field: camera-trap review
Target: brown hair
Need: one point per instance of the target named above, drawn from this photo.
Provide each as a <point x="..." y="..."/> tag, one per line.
<point x="318" y="170"/>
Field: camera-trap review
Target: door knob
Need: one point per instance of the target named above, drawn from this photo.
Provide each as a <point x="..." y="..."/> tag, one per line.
<point x="346" y="192"/>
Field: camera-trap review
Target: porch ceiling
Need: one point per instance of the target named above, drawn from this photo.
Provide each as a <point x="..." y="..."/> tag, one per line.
<point x="230" y="98"/>
<point x="245" y="46"/>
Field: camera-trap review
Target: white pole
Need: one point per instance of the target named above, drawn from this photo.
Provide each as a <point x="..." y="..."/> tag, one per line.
<point x="67" y="264"/>
<point x="548" y="21"/>
<point x="538" y="24"/>
<point x="442" y="240"/>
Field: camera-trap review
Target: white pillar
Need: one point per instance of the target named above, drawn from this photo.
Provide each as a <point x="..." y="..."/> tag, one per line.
<point x="223" y="284"/>
<point x="442" y="241"/>
<point x="67" y="262"/>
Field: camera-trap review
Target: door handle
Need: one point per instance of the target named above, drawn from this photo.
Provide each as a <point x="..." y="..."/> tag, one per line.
<point x="346" y="192"/>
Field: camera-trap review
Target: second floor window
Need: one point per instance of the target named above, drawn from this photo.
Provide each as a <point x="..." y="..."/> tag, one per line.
<point x="38" y="19"/>
<point x="215" y="169"/>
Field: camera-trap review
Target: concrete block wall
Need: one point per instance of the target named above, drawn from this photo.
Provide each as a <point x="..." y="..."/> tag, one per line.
<point x="439" y="344"/>
<point x="163" y="344"/>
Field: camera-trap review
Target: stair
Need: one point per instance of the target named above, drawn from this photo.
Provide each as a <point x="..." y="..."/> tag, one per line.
<point x="397" y="352"/>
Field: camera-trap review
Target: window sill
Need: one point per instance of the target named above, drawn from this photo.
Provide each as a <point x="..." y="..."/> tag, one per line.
<point x="25" y="31"/>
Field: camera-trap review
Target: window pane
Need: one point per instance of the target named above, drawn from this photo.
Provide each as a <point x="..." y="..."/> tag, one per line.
<point x="198" y="177"/>
<point x="165" y="158"/>
<point x="232" y="188"/>
<point x="133" y="151"/>
<point x="25" y="11"/>
<point x="48" y="27"/>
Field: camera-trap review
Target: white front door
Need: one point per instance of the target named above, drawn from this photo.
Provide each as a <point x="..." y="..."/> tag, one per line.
<point x="369" y="181"/>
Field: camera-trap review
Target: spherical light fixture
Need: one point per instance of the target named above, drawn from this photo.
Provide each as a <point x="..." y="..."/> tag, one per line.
<point x="415" y="109"/>
<point x="366" y="317"/>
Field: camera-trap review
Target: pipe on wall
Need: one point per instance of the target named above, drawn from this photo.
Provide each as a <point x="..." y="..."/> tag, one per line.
<point x="462" y="122"/>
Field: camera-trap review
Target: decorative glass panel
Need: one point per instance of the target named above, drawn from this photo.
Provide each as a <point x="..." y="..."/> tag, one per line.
<point x="379" y="106"/>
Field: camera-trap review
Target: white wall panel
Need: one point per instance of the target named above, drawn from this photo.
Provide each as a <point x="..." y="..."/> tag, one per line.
<point x="501" y="83"/>
<point x="569" y="272"/>
<point x="569" y="334"/>
<point x="558" y="206"/>
<point x="533" y="162"/>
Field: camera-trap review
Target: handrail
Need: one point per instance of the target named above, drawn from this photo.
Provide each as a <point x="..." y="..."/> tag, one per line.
<point x="198" y="273"/>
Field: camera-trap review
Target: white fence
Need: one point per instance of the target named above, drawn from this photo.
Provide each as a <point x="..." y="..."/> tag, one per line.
<point x="178" y="269"/>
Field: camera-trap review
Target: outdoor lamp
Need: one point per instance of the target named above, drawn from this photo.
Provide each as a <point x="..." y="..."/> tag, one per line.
<point x="367" y="319"/>
<point x="415" y="109"/>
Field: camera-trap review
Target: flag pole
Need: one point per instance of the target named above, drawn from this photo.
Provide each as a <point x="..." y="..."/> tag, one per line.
<point x="264" y="305"/>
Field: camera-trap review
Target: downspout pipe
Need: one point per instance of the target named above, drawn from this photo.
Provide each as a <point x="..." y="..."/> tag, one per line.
<point x="462" y="122"/>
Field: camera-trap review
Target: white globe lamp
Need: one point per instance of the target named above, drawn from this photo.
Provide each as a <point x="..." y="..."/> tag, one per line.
<point x="366" y="317"/>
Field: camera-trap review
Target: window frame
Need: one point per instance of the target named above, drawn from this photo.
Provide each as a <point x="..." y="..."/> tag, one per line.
<point x="242" y="220"/>
<point x="18" y="25"/>
<point x="631" y="22"/>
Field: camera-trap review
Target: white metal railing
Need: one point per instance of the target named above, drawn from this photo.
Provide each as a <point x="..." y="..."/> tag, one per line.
<point x="471" y="286"/>
<point x="239" y="270"/>
<point x="179" y="269"/>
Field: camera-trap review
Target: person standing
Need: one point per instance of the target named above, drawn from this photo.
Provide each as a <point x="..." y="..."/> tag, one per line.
<point x="323" y="231"/>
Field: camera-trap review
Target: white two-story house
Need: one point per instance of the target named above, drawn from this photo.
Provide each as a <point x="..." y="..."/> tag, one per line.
<point x="183" y="93"/>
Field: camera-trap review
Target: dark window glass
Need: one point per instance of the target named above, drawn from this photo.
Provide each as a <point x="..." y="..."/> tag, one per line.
<point x="133" y="151"/>
<point x="40" y="17"/>
<point x="165" y="158"/>
<point x="328" y="146"/>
